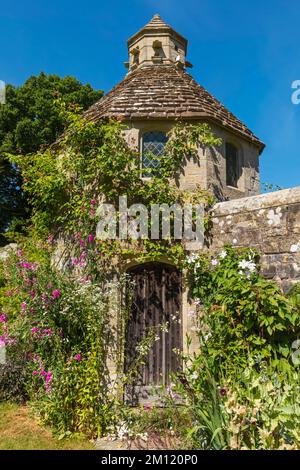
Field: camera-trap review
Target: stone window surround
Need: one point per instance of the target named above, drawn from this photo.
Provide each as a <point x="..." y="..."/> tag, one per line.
<point x="241" y="162"/>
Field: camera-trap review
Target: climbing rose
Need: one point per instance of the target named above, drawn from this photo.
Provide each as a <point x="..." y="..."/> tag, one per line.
<point x="78" y="357"/>
<point x="56" y="293"/>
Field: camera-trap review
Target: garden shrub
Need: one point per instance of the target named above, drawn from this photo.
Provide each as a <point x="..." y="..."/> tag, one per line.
<point x="242" y="387"/>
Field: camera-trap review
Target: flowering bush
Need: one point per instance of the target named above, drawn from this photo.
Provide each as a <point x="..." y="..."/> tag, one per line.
<point x="242" y="387"/>
<point x="238" y="312"/>
<point x="61" y="324"/>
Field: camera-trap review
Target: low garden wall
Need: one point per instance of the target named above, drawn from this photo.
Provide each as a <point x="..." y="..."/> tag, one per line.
<point x="268" y="222"/>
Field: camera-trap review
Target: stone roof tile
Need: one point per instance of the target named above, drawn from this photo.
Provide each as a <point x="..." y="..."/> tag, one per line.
<point x="152" y="92"/>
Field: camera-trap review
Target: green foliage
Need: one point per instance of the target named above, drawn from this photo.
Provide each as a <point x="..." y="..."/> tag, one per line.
<point x="242" y="387"/>
<point x="92" y="162"/>
<point x="30" y="120"/>
<point x="239" y="312"/>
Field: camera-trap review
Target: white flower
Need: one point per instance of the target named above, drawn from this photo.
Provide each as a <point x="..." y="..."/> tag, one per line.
<point x="192" y="259"/>
<point x="194" y="375"/>
<point x="214" y="262"/>
<point x="247" y="265"/>
<point x="223" y="254"/>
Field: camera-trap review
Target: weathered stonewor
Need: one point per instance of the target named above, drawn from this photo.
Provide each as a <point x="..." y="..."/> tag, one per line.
<point x="271" y="224"/>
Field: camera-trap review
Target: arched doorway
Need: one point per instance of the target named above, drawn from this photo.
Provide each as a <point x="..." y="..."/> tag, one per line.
<point x="155" y="306"/>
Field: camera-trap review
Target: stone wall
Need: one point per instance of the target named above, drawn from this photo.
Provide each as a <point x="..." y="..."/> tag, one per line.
<point x="271" y="224"/>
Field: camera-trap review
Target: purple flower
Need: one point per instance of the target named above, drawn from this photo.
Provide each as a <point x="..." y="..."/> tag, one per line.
<point x="9" y="293"/>
<point x="34" y="329"/>
<point x="23" y="306"/>
<point x="91" y="238"/>
<point x="26" y="265"/>
<point x="20" y="253"/>
<point x="2" y="341"/>
<point x="56" y="293"/>
<point x="35" y="372"/>
<point x="93" y="202"/>
<point x="32" y="294"/>
<point x="78" y="357"/>
<point x="43" y="373"/>
<point x="82" y="243"/>
<point x="3" y="318"/>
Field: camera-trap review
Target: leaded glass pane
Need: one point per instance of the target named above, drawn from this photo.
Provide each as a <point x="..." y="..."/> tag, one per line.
<point x="153" y="148"/>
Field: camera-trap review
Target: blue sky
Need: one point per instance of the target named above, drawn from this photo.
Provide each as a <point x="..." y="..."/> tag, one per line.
<point x="246" y="53"/>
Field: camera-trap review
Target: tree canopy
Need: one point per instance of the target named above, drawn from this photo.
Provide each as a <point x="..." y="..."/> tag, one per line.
<point x="28" y="121"/>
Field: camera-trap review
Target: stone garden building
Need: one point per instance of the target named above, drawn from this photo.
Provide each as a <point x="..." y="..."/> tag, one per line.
<point x="156" y="91"/>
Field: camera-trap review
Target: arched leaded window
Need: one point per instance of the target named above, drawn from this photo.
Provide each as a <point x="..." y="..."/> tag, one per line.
<point x="153" y="147"/>
<point x="232" y="165"/>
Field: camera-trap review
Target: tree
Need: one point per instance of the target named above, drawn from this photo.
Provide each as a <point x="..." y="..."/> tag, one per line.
<point x="28" y="121"/>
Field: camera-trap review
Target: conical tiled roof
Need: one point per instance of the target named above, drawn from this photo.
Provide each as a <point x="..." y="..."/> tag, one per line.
<point x="166" y="92"/>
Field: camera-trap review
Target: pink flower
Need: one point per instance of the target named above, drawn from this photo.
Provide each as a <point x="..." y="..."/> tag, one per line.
<point x="93" y="202"/>
<point x="49" y="285"/>
<point x="78" y="235"/>
<point x="82" y="243"/>
<point x="56" y="293"/>
<point x="23" y="306"/>
<point x="32" y="294"/>
<point x="34" y="329"/>
<point x="48" y="377"/>
<point x="20" y="253"/>
<point x="92" y="212"/>
<point x="192" y="313"/>
<point x="2" y="341"/>
<point x="3" y="318"/>
<point x="35" y="372"/>
<point x="78" y="357"/>
<point x="91" y="238"/>
<point x="47" y="332"/>
<point x="43" y="373"/>
<point x="26" y="265"/>
<point x="50" y="239"/>
<point x="9" y="293"/>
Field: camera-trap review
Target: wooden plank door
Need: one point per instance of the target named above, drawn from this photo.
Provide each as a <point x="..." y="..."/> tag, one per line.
<point x="155" y="306"/>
